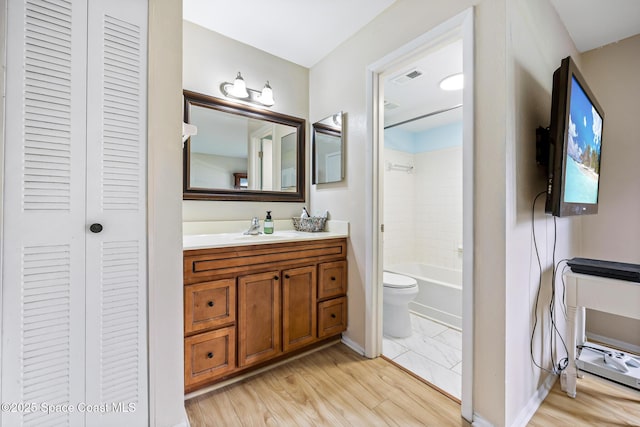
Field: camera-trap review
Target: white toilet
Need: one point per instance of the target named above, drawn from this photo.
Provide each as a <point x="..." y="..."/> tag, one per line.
<point x="398" y="290"/>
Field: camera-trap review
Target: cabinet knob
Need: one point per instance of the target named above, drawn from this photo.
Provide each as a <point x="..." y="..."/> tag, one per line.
<point x="333" y="278"/>
<point x="210" y="355"/>
<point x="286" y="276"/>
<point x="333" y="315"/>
<point x="275" y="278"/>
<point x="210" y="303"/>
<point x="95" y="228"/>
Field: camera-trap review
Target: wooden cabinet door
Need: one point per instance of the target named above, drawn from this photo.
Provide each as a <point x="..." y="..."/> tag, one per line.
<point x="259" y="320"/>
<point x="298" y="307"/>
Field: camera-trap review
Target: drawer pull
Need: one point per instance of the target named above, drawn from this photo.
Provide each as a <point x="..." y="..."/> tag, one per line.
<point x="286" y="276"/>
<point x="209" y="355"/>
<point x="333" y="315"/>
<point x="275" y="278"/>
<point x="333" y="278"/>
<point x="210" y="303"/>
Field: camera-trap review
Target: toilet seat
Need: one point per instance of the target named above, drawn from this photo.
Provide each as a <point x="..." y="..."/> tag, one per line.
<point x="393" y="280"/>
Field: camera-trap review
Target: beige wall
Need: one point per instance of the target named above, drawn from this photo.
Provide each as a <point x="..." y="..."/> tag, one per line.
<point x="614" y="233"/>
<point x="338" y="82"/>
<point x="210" y="59"/>
<point x="518" y="46"/>
<point x="166" y="388"/>
<point x="537" y="42"/>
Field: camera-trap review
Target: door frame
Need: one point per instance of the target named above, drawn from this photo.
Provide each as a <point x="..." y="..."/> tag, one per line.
<point x="460" y="26"/>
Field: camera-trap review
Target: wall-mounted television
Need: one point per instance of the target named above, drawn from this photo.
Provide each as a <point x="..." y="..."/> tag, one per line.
<point x="575" y="137"/>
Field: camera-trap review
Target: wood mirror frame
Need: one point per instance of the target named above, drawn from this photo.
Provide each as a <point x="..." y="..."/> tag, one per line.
<point x="206" y="101"/>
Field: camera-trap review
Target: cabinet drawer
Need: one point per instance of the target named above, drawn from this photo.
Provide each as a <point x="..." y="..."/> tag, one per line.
<point x="209" y="305"/>
<point x="332" y="279"/>
<point x="332" y="317"/>
<point x="209" y="355"/>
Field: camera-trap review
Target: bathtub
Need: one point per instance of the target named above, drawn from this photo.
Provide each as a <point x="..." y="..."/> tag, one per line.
<point x="439" y="292"/>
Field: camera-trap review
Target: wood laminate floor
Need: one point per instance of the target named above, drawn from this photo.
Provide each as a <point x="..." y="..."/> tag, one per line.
<point x="598" y="402"/>
<point x="337" y="387"/>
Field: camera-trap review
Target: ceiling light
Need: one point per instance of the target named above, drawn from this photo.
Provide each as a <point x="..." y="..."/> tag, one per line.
<point x="453" y="82"/>
<point x="239" y="90"/>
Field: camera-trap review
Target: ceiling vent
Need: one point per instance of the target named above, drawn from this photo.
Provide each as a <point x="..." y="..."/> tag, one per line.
<point x="390" y="105"/>
<point x="407" y="76"/>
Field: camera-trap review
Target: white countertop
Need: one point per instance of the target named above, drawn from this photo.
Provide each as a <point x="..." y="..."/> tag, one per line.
<point x="219" y="234"/>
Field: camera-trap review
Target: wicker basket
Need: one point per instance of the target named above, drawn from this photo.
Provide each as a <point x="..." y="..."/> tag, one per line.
<point x="313" y="224"/>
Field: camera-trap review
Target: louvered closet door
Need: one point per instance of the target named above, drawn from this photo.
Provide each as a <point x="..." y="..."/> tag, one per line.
<point x="116" y="198"/>
<point x="43" y="264"/>
<point x="73" y="301"/>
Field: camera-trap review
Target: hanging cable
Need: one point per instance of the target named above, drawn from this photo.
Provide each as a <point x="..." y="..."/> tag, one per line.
<point x="554" y="333"/>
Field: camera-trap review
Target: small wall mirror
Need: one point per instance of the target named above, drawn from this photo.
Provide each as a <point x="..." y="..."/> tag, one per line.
<point x="328" y="149"/>
<point x="242" y="152"/>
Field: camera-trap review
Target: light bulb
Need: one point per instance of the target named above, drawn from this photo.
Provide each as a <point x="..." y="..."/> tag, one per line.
<point x="239" y="89"/>
<point x="266" y="97"/>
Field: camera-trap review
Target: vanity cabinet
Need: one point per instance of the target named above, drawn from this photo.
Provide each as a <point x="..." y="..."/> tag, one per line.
<point x="248" y="306"/>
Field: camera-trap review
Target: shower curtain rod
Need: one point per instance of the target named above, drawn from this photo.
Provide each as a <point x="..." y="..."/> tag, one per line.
<point x="424" y="116"/>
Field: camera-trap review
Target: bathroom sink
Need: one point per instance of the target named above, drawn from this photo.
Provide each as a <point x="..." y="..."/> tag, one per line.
<point x="275" y="236"/>
<point x="230" y="239"/>
<point x="228" y="235"/>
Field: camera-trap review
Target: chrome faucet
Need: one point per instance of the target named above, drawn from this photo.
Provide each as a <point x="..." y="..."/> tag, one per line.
<point x="254" y="230"/>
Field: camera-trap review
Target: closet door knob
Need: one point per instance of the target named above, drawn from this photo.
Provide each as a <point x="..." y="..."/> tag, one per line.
<point x="95" y="228"/>
<point x="286" y="276"/>
<point x="333" y="278"/>
<point x="275" y="277"/>
<point x="333" y="316"/>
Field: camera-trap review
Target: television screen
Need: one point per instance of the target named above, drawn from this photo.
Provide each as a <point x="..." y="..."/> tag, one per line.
<point x="584" y="134"/>
<point x="575" y="136"/>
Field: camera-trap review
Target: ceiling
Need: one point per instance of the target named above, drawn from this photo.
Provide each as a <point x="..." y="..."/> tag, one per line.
<point x="595" y="23"/>
<point x="422" y="95"/>
<point x="305" y="31"/>
<point x="300" y="31"/>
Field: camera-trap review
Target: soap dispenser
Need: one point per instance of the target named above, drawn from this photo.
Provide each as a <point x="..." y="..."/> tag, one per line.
<point x="268" y="224"/>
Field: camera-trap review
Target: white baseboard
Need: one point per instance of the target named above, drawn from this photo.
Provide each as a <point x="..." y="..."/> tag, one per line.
<point x="185" y="422"/>
<point x="353" y="345"/>
<point x="529" y="410"/>
<point x="478" y="421"/>
<point x="536" y="400"/>
<point x="622" y="345"/>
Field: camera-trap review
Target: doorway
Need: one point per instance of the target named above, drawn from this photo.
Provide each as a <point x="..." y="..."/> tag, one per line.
<point x="401" y="65"/>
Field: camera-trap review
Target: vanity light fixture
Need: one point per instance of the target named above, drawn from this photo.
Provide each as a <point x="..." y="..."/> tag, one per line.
<point x="453" y="82"/>
<point x="239" y="90"/>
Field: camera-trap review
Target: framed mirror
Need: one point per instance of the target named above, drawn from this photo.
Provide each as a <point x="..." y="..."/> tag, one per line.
<point x="242" y="152"/>
<point x="328" y="149"/>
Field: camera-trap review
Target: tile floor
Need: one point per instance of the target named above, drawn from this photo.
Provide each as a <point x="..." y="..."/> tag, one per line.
<point x="433" y="352"/>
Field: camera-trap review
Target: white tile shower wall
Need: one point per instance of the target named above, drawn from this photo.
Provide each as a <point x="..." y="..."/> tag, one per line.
<point x="438" y="207"/>
<point x="423" y="209"/>
<point x="399" y="220"/>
